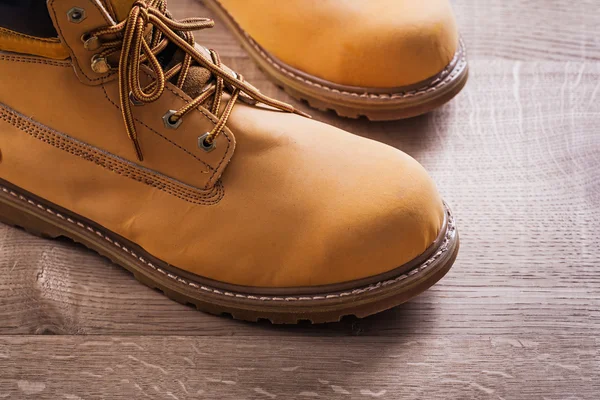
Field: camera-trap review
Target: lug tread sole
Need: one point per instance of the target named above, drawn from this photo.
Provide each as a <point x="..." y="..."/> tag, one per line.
<point x="347" y="102"/>
<point x="18" y="209"/>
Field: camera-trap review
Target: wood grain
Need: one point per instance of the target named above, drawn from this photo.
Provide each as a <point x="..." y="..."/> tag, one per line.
<point x="411" y="367"/>
<point x="517" y="155"/>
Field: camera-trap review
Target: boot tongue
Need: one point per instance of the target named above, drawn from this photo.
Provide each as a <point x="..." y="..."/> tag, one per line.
<point x="197" y="77"/>
<point x="196" y="80"/>
<point x="120" y="8"/>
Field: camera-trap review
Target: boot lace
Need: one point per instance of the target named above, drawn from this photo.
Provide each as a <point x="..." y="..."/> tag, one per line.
<point x="140" y="38"/>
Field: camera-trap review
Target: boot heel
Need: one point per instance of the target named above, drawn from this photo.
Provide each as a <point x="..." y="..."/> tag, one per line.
<point x="18" y="215"/>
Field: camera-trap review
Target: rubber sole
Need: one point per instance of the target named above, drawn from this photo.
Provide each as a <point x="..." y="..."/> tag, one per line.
<point x="376" y="104"/>
<point x="317" y="305"/>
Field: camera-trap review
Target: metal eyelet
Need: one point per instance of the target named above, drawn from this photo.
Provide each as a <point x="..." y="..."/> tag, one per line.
<point x="169" y="124"/>
<point x="208" y="147"/>
<point x="100" y="65"/>
<point x="91" y="43"/>
<point x="135" y="101"/>
<point x="76" y="15"/>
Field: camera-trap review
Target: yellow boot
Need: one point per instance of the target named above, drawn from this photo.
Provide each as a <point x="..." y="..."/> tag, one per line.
<point x="384" y="59"/>
<point x="125" y="135"/>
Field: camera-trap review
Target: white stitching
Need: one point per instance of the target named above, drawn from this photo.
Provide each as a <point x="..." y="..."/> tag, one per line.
<point x="443" y="248"/>
<point x="430" y="87"/>
<point x="451" y="71"/>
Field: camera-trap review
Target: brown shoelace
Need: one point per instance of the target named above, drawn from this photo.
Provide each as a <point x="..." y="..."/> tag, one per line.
<point x="138" y="48"/>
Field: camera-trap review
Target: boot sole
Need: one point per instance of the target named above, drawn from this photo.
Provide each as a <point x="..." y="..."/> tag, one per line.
<point x="376" y="104"/>
<point x="321" y="304"/>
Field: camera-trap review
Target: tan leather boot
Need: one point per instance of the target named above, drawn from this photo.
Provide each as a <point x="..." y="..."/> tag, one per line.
<point x="384" y="59"/>
<point x="133" y="140"/>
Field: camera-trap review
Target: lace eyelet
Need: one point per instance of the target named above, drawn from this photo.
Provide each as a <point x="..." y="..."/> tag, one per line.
<point x="135" y="101"/>
<point x="204" y="145"/>
<point x="170" y="124"/>
<point x="76" y="15"/>
<point x="91" y="43"/>
<point x="100" y="65"/>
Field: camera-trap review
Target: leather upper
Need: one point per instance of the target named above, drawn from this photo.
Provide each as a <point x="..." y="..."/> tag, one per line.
<point x="375" y="44"/>
<point x="283" y="201"/>
<point x="22" y="43"/>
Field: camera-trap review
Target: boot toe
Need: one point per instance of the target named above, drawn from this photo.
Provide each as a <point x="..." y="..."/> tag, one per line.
<point x="337" y="208"/>
<point x="412" y="43"/>
<point x="388" y="223"/>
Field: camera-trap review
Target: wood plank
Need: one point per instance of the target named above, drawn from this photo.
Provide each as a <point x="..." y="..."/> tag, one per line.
<point x="530" y="30"/>
<point x="407" y="367"/>
<point x="516" y="155"/>
<point x="218" y="38"/>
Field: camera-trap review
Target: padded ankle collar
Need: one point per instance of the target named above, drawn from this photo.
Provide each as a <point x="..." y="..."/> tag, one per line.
<point x="21" y="43"/>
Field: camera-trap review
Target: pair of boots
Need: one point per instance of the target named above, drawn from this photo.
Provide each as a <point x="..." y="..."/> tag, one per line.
<point x="119" y="131"/>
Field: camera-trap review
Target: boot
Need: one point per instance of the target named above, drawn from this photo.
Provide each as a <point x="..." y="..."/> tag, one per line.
<point x="124" y="134"/>
<point x="384" y="59"/>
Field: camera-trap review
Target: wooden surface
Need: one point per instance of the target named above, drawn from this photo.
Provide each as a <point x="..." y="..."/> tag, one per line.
<point x="517" y="155"/>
